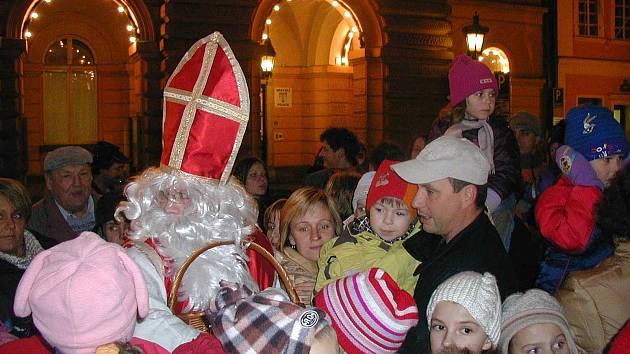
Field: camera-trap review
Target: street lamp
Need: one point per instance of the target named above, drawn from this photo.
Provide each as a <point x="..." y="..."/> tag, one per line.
<point x="474" y="36"/>
<point x="267" y="59"/>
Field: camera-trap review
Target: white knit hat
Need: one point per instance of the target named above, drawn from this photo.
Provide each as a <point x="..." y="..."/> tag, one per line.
<point x="362" y="189"/>
<point x="478" y="294"/>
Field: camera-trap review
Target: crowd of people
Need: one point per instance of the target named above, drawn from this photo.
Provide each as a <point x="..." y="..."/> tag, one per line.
<point x="489" y="235"/>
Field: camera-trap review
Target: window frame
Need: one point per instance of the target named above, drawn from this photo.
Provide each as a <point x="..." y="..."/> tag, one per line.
<point x="599" y="25"/>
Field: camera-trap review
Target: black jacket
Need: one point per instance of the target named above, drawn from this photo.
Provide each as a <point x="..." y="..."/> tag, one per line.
<point x="477" y="248"/>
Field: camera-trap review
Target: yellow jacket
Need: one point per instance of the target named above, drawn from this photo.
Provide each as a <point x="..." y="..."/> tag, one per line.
<point x="353" y="253"/>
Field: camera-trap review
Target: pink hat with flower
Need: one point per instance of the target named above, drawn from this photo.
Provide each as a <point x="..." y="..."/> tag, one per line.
<point x="468" y="76"/>
<point x="83" y="293"/>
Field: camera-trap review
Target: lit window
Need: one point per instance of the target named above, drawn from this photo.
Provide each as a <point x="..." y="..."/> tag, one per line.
<point x="495" y="59"/>
<point x="588" y="21"/>
<point x="69" y="95"/>
<point x="622" y="19"/>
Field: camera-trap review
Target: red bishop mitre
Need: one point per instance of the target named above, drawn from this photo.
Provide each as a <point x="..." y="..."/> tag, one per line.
<point x="206" y="109"/>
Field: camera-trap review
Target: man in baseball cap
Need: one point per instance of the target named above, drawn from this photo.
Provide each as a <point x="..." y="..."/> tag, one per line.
<point x="68" y="209"/>
<point x="451" y="174"/>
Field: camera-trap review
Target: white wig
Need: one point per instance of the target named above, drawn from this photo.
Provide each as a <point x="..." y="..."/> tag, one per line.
<point x="215" y="213"/>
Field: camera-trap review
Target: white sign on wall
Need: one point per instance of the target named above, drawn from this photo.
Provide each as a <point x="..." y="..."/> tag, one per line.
<point x="283" y="97"/>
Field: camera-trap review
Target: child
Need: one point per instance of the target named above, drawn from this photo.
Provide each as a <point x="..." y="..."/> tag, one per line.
<point x="369" y="312"/>
<point x="464" y="314"/>
<point x="272" y="222"/>
<point x="473" y="90"/>
<point x="268" y="322"/>
<point x="376" y="240"/>
<point x="83" y="294"/>
<point x="534" y="322"/>
<point x="110" y="229"/>
<point x="593" y="154"/>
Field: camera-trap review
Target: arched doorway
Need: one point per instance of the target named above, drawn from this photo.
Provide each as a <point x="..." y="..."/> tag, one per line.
<point x="326" y="55"/>
<point x="85" y="91"/>
<point x="499" y="63"/>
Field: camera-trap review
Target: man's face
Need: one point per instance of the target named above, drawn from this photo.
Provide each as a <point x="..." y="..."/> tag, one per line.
<point x="70" y="186"/>
<point x="439" y="207"/>
<point x="331" y="157"/>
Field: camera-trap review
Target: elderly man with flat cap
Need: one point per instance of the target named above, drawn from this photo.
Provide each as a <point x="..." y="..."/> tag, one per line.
<point x="68" y="209"/>
<point x="457" y="235"/>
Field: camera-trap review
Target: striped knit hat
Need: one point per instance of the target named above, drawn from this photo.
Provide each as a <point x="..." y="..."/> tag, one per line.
<point x="369" y="312"/>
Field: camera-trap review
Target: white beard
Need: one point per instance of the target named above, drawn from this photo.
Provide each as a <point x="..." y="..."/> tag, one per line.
<point x="215" y="213"/>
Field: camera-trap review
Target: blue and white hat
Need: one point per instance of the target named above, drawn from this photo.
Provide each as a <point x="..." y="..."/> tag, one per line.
<point x="593" y="132"/>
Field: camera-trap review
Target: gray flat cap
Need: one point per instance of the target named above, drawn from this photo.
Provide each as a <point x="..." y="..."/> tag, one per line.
<point x="66" y="155"/>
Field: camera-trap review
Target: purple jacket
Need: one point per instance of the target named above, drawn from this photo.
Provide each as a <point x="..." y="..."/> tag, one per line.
<point x="507" y="177"/>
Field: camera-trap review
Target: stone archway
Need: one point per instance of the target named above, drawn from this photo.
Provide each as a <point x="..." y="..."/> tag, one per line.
<point x="317" y="86"/>
<point x="119" y="100"/>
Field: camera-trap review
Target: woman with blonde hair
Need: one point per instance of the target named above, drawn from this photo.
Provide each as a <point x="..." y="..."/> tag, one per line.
<point x="308" y="219"/>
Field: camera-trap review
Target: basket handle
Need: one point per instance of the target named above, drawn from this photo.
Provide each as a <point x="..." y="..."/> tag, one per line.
<point x="282" y="273"/>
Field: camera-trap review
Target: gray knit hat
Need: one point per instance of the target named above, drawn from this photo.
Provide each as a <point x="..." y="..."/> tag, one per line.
<point x="66" y="155"/>
<point x="479" y="294"/>
<point x="533" y="307"/>
<point x="526" y="121"/>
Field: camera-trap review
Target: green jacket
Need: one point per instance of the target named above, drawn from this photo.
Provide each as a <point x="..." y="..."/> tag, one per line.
<point x="358" y="249"/>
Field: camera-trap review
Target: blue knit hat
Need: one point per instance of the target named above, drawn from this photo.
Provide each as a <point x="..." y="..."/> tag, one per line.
<point x="594" y="133"/>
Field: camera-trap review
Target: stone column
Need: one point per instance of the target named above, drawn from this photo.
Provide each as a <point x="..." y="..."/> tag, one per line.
<point x="13" y="151"/>
<point x="146" y="110"/>
<point x="416" y="60"/>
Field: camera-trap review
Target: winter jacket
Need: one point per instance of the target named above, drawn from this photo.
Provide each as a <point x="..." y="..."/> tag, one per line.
<point x="476" y="248"/>
<point x="596" y="300"/>
<point x="507" y="169"/>
<point x="300" y="271"/>
<point x="352" y="253"/>
<point x="47" y="220"/>
<point x="566" y="217"/>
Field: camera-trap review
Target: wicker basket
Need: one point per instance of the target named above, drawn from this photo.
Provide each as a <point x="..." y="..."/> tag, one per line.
<point x="196" y="318"/>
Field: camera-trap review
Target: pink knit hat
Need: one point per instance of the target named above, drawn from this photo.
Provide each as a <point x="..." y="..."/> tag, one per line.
<point x="370" y="313"/>
<point x="468" y="76"/>
<point x="83" y="293"/>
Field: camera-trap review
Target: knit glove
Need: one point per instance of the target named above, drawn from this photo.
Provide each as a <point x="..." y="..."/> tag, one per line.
<point x="577" y="168"/>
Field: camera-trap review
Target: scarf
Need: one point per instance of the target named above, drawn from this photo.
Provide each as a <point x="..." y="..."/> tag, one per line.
<point x="485" y="136"/>
<point x="31" y="247"/>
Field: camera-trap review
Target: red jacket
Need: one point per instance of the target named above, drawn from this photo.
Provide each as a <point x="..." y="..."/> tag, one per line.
<point x="566" y="214"/>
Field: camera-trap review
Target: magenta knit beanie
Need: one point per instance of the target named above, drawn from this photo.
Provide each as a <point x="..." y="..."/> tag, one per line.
<point x="468" y="76"/>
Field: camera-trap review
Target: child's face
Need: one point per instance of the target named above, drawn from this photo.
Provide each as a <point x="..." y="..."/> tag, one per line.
<point x="389" y="221"/>
<point x="544" y="338"/>
<point x="607" y="167"/>
<point x="452" y="327"/>
<point x="481" y="103"/>
<point x="114" y="231"/>
<point x="273" y="230"/>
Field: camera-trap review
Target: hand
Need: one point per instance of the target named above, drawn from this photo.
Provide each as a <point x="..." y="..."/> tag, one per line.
<point x="576" y="167"/>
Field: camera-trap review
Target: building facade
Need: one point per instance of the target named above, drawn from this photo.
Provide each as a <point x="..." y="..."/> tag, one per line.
<point x="76" y="71"/>
<point x="594" y="56"/>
